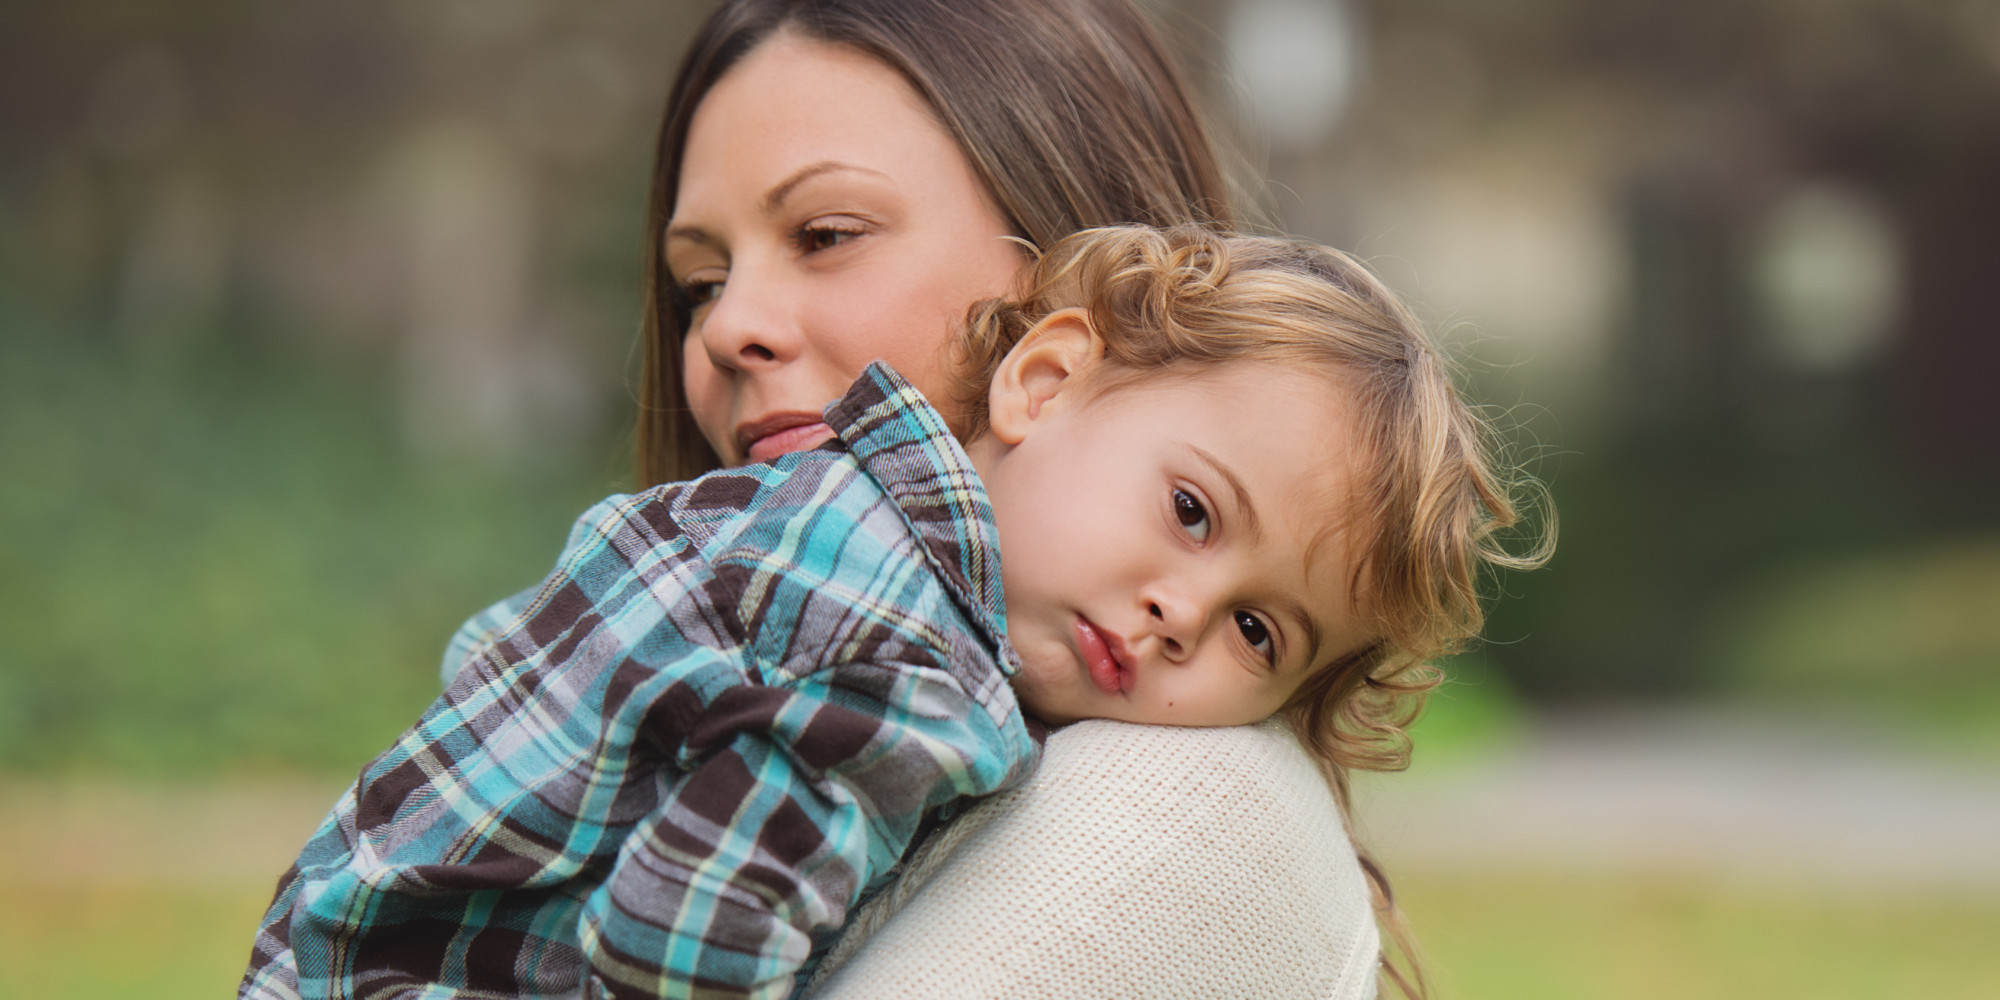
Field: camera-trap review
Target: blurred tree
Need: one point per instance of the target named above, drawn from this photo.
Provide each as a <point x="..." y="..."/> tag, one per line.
<point x="1714" y="456"/>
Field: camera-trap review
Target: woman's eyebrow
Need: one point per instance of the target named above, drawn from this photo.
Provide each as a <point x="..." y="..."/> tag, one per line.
<point x="775" y="199"/>
<point x="1244" y="508"/>
<point x="686" y="233"/>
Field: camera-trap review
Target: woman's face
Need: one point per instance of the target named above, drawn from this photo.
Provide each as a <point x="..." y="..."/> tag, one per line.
<point x="824" y="220"/>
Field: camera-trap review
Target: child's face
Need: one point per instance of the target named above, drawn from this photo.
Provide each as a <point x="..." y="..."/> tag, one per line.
<point x="1166" y="547"/>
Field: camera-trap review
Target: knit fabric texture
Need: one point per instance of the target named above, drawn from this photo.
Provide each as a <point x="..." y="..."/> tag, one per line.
<point x="1138" y="862"/>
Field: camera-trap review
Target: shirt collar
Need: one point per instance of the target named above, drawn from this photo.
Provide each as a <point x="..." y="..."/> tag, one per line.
<point x="904" y="445"/>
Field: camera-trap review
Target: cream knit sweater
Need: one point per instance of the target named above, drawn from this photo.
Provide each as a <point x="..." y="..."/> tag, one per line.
<point x="1138" y="862"/>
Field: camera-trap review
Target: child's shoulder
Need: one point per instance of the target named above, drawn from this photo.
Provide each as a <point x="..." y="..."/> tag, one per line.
<point x="818" y="483"/>
<point x="695" y="514"/>
<point x="816" y="508"/>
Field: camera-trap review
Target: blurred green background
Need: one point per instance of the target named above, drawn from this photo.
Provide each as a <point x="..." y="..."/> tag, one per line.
<point x="317" y="325"/>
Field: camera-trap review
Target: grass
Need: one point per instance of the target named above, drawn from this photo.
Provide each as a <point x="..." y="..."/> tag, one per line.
<point x="1506" y="935"/>
<point x="226" y="560"/>
<point x="1470" y="712"/>
<point x="1899" y="636"/>
<point x="162" y="942"/>
<point x="1493" y="936"/>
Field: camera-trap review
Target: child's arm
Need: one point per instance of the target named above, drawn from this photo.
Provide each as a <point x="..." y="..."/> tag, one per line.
<point x="480" y="630"/>
<point x="483" y="628"/>
<point x="798" y="797"/>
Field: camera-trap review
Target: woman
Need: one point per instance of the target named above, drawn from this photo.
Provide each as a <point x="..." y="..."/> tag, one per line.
<point x="837" y="181"/>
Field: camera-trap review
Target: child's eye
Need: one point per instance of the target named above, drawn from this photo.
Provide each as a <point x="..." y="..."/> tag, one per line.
<point x="821" y="234"/>
<point x="1257" y="635"/>
<point x="1191" y="514"/>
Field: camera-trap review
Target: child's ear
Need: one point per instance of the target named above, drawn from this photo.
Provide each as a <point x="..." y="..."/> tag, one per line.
<point x="1039" y="369"/>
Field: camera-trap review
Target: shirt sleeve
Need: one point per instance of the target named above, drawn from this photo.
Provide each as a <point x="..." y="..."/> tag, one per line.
<point x="794" y="798"/>
<point x="1139" y="861"/>
<point x="480" y="630"/>
<point x="494" y="621"/>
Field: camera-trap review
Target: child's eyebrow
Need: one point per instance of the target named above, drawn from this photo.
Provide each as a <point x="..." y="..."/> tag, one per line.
<point x="1246" y="509"/>
<point x="1294" y="609"/>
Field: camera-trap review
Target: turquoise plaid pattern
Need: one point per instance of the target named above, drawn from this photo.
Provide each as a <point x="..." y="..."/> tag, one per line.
<point x="721" y="717"/>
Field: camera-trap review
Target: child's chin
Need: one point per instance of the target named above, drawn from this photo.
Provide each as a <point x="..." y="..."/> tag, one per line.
<point x="1051" y="712"/>
<point x="1048" y="717"/>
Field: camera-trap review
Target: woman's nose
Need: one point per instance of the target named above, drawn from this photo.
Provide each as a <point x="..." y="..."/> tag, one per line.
<point x="747" y="327"/>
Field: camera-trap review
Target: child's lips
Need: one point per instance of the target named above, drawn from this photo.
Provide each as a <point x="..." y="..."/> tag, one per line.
<point x="1104" y="656"/>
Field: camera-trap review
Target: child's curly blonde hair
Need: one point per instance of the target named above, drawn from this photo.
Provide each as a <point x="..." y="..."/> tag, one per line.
<point x="1430" y="499"/>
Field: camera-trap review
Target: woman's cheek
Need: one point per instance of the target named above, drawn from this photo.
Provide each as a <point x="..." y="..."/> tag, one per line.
<point x="913" y="341"/>
<point x="708" y="398"/>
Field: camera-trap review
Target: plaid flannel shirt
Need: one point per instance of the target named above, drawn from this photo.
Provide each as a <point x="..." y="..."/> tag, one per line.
<point x="722" y="715"/>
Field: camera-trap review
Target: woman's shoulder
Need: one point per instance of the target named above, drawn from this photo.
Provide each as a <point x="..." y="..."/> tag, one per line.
<point x="1256" y="781"/>
<point x="1219" y="807"/>
<point x="1138" y="861"/>
<point x="1215" y="771"/>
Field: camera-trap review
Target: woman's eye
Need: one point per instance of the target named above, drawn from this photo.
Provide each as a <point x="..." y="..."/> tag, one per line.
<point x="1191" y="514"/>
<point x="692" y="295"/>
<point x="1256" y="635"/>
<point x="817" y="236"/>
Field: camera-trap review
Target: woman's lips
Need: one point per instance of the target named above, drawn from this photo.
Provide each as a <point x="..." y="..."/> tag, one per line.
<point x="1104" y="656"/>
<point x="781" y="434"/>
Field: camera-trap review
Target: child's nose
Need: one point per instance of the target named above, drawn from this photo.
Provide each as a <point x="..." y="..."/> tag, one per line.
<point x="1171" y="624"/>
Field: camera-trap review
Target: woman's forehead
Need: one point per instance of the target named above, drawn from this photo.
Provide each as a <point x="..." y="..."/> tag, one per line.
<point x="794" y="101"/>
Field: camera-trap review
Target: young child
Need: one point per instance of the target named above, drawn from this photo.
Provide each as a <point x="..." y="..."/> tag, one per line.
<point x="1231" y="480"/>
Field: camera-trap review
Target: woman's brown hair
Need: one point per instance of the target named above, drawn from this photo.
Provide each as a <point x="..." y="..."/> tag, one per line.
<point x="1430" y="508"/>
<point x="1070" y="111"/>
